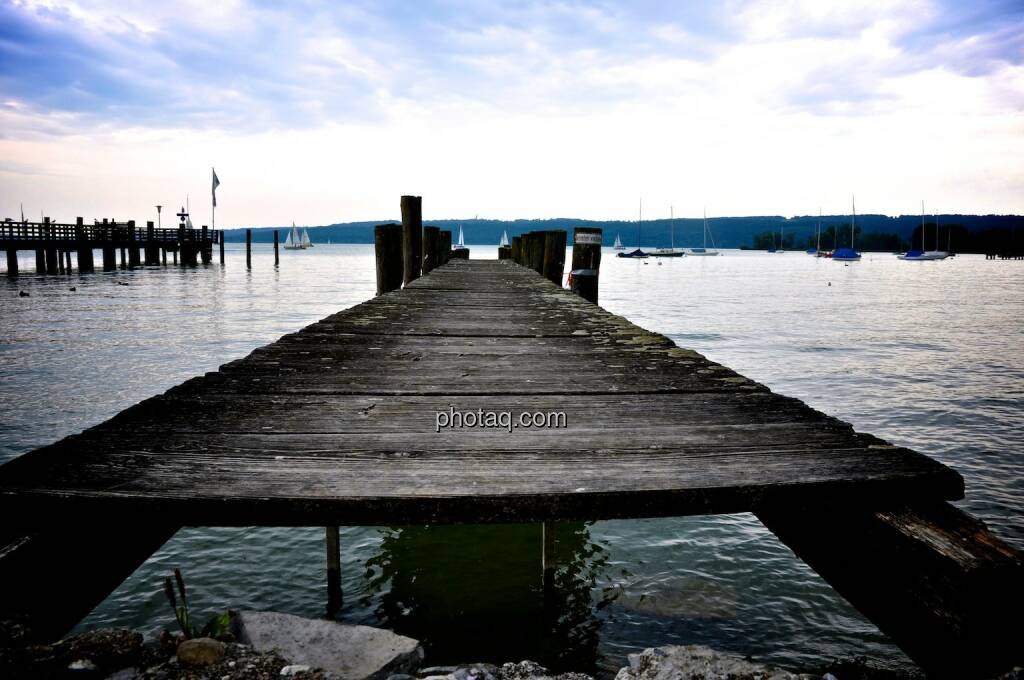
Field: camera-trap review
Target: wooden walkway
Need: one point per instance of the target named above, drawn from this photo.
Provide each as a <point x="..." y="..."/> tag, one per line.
<point x="336" y="424"/>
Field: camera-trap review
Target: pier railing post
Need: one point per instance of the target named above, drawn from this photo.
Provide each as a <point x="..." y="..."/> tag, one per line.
<point x="248" y="248"/>
<point x="412" y="235"/>
<point x="554" y="256"/>
<point x="431" y="239"/>
<point x="586" y="262"/>
<point x="334" y="594"/>
<point x="387" y="243"/>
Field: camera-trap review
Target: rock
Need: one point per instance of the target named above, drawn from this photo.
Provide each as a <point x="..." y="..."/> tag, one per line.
<point x="200" y="652"/>
<point x="109" y="648"/>
<point x="697" y="662"/>
<point x="124" y="674"/>
<point x="83" y="668"/>
<point x="348" y="651"/>
<point x="294" y="668"/>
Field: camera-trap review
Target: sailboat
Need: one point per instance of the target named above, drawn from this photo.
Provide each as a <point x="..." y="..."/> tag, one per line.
<point x="618" y="243"/>
<point x="306" y="243"/>
<point x="294" y="240"/>
<point x="637" y="253"/>
<point x="704" y="251"/>
<point x="849" y="254"/>
<point x="504" y="238"/>
<point x="461" y="245"/>
<point x="925" y="255"/>
<point x="816" y="250"/>
<point x="670" y="252"/>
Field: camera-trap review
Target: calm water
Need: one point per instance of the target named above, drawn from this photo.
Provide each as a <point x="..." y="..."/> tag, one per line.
<point x="928" y="355"/>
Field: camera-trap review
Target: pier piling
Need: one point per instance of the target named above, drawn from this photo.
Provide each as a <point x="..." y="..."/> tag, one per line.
<point x="277" y="257"/>
<point x="554" y="256"/>
<point x="431" y="239"/>
<point x="387" y="245"/>
<point x="444" y="246"/>
<point x="334" y="594"/>
<point x="586" y="262"/>
<point x="515" y="248"/>
<point x="412" y="234"/>
<point x="248" y="248"/>
<point x="12" y="262"/>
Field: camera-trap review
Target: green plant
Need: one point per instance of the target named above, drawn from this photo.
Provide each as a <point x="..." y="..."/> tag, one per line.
<point x="217" y="625"/>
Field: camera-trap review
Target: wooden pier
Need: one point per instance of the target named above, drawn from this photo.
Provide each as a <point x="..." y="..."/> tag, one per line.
<point x="54" y="243"/>
<point x="341" y="424"/>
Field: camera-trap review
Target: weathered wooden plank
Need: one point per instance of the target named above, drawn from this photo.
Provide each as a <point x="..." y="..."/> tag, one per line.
<point x="946" y="590"/>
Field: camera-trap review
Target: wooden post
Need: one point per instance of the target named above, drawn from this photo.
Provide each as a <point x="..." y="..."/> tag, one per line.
<point x="516" y="249"/>
<point x="164" y="256"/>
<point x="205" y="245"/>
<point x="109" y="252"/>
<point x="554" y="256"/>
<point x="52" y="267"/>
<point x="277" y="258"/>
<point x="124" y="258"/>
<point x="504" y="252"/>
<point x="431" y="243"/>
<point x="444" y="246"/>
<point x="40" y="261"/>
<point x="12" y="261"/>
<point x="133" y="248"/>
<point x="248" y="248"/>
<point x="931" y="577"/>
<point x="387" y="243"/>
<point x="586" y="262"/>
<point x="412" y="234"/>
<point x="67" y="263"/>
<point x="537" y="252"/>
<point x="334" y="595"/>
<point x="150" y="248"/>
<point x="60" y="260"/>
<point x="220" y="237"/>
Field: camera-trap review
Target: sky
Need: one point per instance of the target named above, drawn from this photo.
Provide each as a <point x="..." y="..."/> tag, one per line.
<point x="329" y="112"/>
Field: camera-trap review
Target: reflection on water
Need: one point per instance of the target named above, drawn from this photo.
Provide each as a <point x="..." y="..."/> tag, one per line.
<point x="438" y="584"/>
<point x="928" y="355"/>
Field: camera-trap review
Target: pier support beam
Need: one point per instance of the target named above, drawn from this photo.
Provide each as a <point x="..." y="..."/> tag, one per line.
<point x="52" y="266"/>
<point x="12" y="262"/>
<point x="277" y="257"/>
<point x="85" y="260"/>
<point x="205" y="246"/>
<point x="40" y="261"/>
<point x="220" y="238"/>
<point x="931" y="577"/>
<point x="412" y="235"/>
<point x="334" y="594"/>
<point x="67" y="261"/>
<point x="248" y="248"/>
<point x="387" y="245"/>
<point x="431" y="243"/>
<point x="133" y="246"/>
<point x="586" y="262"/>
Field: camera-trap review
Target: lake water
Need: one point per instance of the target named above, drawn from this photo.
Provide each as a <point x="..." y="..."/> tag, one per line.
<point x="928" y="355"/>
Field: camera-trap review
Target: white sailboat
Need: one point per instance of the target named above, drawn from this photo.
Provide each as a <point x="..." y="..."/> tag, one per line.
<point x="705" y="251"/>
<point x="671" y="251"/>
<point x="504" y="238"/>
<point x="925" y="255"/>
<point x="461" y="245"/>
<point x="294" y="240"/>
<point x="618" y="243"/>
<point x="306" y="243"/>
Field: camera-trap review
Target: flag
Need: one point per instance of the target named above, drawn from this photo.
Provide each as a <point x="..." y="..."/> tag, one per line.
<point x="216" y="183"/>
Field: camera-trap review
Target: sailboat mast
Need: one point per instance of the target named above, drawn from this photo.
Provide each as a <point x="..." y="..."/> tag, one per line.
<point x="853" y="219"/>
<point x="817" y="248"/>
<point x="705" y="227"/>
<point x="639" y="223"/>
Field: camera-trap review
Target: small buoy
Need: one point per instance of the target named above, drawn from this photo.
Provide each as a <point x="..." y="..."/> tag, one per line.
<point x="829" y="283"/>
<point x="22" y="293"/>
<point x="72" y="289"/>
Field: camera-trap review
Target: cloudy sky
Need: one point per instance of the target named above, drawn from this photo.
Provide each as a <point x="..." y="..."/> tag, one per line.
<point x="328" y="112"/>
